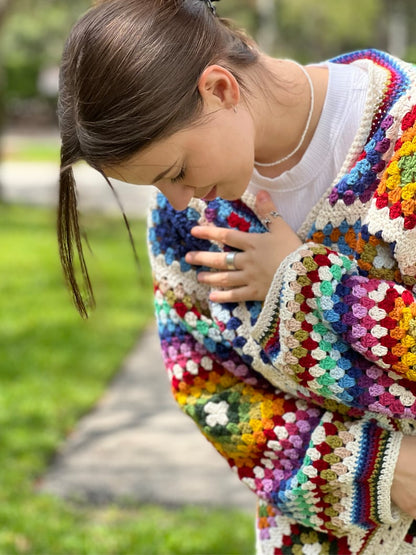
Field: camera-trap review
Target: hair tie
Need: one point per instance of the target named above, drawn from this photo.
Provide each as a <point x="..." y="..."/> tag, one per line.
<point x="211" y="6"/>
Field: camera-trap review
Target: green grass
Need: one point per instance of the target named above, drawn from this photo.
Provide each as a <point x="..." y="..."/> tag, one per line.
<point x="59" y="529"/>
<point x="53" y="368"/>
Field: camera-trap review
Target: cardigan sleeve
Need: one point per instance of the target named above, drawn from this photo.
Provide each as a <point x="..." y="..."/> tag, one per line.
<point x="344" y="328"/>
<point x="341" y="335"/>
<point x="322" y="468"/>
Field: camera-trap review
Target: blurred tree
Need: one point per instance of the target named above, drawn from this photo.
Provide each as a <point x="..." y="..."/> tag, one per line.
<point x="4" y="9"/>
<point x="32" y="42"/>
<point x="31" y="38"/>
<point x="397" y="29"/>
<point x="243" y="12"/>
<point x="313" y="31"/>
<point x="267" y="25"/>
<point x="5" y="6"/>
<point x="398" y="26"/>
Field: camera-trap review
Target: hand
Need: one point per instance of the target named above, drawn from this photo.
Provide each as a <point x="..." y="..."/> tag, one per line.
<point x="403" y="489"/>
<point x="256" y="264"/>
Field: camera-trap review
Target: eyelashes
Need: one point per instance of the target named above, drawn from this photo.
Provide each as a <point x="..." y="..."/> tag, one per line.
<point x="179" y="177"/>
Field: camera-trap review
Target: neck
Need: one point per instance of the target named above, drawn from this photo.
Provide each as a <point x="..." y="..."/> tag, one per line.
<point x="280" y="121"/>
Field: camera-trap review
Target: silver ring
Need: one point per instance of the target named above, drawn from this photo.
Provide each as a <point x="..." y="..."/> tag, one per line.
<point x="229" y="260"/>
<point x="267" y="220"/>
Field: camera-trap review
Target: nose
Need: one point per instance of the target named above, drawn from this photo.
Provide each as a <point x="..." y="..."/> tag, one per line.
<point x="178" y="195"/>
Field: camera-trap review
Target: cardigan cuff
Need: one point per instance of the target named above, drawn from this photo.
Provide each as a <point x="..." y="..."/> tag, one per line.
<point x="388" y="512"/>
<point x="268" y="320"/>
<point x="374" y="471"/>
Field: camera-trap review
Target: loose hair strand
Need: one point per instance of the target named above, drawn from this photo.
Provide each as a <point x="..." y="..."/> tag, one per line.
<point x="69" y="234"/>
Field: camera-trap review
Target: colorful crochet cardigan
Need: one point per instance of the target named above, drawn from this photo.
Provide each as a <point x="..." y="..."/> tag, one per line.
<point x="308" y="394"/>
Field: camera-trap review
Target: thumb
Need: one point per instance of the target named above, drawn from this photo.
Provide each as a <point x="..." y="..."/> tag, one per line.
<point x="266" y="208"/>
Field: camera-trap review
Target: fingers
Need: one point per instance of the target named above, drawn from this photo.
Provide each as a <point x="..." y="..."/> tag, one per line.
<point x="266" y="209"/>
<point x="215" y="260"/>
<point x="246" y="272"/>
<point x="231" y="237"/>
<point x="222" y="279"/>
<point x="236" y="295"/>
<point x="227" y="274"/>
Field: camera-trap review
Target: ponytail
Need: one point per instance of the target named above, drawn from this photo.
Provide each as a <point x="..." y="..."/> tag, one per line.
<point x="69" y="234"/>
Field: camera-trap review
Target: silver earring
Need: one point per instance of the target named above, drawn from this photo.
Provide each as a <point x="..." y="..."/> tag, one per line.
<point x="235" y="109"/>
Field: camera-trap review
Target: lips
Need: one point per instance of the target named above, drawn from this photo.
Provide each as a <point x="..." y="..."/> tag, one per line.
<point x="211" y="195"/>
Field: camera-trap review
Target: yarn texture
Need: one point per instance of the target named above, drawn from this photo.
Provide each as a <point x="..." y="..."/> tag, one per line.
<point x="308" y="395"/>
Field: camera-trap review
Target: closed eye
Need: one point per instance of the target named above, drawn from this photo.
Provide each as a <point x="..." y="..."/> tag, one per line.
<point x="178" y="177"/>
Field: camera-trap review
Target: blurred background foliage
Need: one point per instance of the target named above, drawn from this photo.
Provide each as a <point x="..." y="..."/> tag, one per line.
<point x="33" y="31"/>
<point x="31" y="40"/>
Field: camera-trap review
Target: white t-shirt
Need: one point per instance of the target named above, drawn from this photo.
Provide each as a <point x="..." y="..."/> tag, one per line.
<point x="297" y="190"/>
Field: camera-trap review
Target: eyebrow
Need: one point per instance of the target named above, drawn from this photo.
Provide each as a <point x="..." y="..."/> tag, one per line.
<point x="162" y="174"/>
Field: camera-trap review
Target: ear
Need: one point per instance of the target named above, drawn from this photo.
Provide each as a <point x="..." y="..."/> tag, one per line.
<point x="218" y="88"/>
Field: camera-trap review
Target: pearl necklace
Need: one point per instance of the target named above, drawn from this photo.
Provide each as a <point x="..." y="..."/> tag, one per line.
<point x="308" y="122"/>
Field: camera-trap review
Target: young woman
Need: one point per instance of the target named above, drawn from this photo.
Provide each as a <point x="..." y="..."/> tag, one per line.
<point x="283" y="248"/>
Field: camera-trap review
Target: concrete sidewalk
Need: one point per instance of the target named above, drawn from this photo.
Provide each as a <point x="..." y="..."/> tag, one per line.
<point x="37" y="183"/>
<point x="135" y="445"/>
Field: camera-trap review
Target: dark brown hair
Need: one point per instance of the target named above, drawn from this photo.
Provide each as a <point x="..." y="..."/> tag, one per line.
<point x="129" y="76"/>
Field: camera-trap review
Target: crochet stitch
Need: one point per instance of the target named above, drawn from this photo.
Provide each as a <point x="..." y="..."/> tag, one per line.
<point x="308" y="394"/>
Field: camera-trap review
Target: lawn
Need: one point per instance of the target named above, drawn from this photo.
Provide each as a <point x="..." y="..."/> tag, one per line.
<point x="53" y="368"/>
